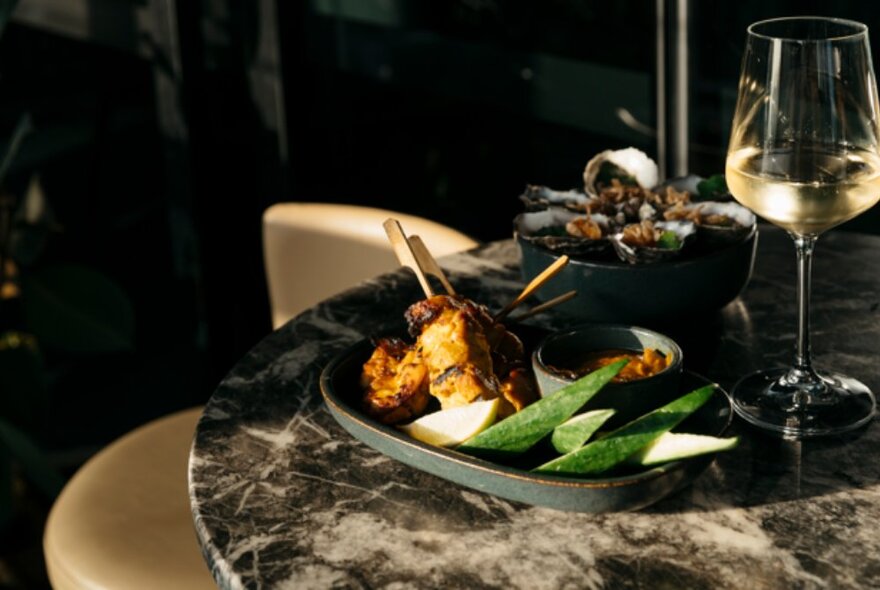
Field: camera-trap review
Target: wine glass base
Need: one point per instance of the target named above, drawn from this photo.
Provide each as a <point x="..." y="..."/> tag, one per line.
<point x="766" y="401"/>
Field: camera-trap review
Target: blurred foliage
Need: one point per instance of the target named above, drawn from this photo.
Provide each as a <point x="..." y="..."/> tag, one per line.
<point x="22" y="379"/>
<point x="78" y="310"/>
<point x="67" y="309"/>
<point x="31" y="460"/>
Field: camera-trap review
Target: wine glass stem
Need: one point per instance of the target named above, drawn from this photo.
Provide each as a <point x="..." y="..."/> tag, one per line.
<point x="803" y="363"/>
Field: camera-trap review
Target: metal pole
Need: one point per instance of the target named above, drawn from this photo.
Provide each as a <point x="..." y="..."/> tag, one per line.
<point x="680" y="98"/>
<point x="660" y="88"/>
<point x="673" y="81"/>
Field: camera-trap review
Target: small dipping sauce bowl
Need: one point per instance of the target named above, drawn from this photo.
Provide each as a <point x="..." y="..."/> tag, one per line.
<point x="561" y="352"/>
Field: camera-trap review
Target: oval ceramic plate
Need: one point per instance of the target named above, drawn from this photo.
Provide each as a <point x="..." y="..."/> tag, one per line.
<point x="342" y="393"/>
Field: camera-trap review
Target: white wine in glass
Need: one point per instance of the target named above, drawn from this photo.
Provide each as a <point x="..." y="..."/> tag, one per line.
<point x="804" y="155"/>
<point x="847" y="185"/>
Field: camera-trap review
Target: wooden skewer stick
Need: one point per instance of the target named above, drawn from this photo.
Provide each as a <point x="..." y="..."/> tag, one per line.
<point x="546" y="305"/>
<point x="533" y="286"/>
<point x="404" y="253"/>
<point x="428" y="263"/>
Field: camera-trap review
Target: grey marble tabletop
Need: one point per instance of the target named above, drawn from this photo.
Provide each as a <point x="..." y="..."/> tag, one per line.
<point x="283" y="497"/>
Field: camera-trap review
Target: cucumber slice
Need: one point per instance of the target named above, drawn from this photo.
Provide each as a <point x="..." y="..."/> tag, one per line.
<point x="572" y="435"/>
<point x="519" y="432"/>
<point x="674" y="446"/>
<point x="606" y="452"/>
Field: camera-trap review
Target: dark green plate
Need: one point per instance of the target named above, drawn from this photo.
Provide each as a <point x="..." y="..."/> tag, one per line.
<point x="625" y="491"/>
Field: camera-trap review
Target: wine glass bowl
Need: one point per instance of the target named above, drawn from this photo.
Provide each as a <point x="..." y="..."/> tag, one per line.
<point x="804" y="156"/>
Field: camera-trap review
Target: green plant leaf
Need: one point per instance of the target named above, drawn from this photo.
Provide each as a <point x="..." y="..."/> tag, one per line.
<point x="669" y="241"/>
<point x="25" y="395"/>
<point x="32" y="223"/>
<point x="5" y="486"/>
<point x="77" y="309"/>
<point x="22" y="129"/>
<point x="712" y="188"/>
<point x="33" y="462"/>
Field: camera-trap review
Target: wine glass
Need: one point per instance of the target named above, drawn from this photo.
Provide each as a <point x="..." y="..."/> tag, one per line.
<point x="804" y="155"/>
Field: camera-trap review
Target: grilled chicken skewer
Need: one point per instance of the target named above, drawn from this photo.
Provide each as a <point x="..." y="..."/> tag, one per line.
<point x="535" y="284"/>
<point x="396" y="382"/>
<point x="461" y="354"/>
<point x="405" y="254"/>
<point x="541" y="308"/>
<point x="466" y="356"/>
<point x="455" y="336"/>
<point x="428" y="263"/>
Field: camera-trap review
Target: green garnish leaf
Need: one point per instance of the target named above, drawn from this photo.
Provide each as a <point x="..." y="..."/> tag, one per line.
<point x="712" y="187"/>
<point x="669" y="241"/>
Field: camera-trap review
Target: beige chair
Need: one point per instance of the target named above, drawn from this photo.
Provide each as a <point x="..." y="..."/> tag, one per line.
<point x="315" y="250"/>
<point x="123" y="520"/>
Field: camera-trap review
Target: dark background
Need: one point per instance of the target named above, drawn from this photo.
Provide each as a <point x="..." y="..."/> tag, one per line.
<point x="162" y="130"/>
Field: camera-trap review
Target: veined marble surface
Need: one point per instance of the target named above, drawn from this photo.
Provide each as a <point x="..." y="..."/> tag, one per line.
<point x="283" y="497"/>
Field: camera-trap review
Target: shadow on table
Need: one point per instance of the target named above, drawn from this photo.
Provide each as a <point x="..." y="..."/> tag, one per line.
<point x="765" y="470"/>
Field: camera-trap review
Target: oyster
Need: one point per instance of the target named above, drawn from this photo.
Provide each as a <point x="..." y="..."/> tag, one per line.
<point x="622" y="205"/>
<point x="717" y="222"/>
<point x="713" y="188"/>
<point x="537" y="197"/>
<point x="649" y="241"/>
<point x="622" y="202"/>
<point x="566" y="232"/>
<point x="630" y="204"/>
<point x="630" y="166"/>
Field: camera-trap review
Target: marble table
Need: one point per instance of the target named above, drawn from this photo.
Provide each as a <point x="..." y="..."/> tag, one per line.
<point x="283" y="497"/>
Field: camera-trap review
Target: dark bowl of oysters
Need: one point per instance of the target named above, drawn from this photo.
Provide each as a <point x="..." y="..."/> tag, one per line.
<point x="641" y="251"/>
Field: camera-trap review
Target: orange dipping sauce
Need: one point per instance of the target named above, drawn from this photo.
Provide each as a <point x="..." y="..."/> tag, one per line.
<point x="641" y="364"/>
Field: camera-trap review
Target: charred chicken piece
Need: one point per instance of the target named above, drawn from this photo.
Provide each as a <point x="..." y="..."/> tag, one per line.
<point x="508" y="361"/>
<point x="503" y="344"/>
<point x="455" y="350"/>
<point x="460" y="355"/>
<point x="395" y="382"/>
<point x="469" y="355"/>
<point x="519" y="388"/>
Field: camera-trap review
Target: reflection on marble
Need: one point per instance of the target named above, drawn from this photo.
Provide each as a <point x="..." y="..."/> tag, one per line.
<point x="284" y="498"/>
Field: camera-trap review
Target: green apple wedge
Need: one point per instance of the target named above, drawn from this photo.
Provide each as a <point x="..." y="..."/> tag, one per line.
<point x="606" y="452"/>
<point x="447" y="428"/>
<point x="519" y="432"/>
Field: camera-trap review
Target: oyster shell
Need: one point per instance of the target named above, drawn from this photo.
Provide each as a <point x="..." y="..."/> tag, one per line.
<point x="717" y="222"/>
<point x="537" y="197"/>
<point x="621" y="196"/>
<point x="713" y="188"/>
<point x="643" y="243"/>
<point x="553" y="229"/>
<point x="688" y="184"/>
<point x="630" y="166"/>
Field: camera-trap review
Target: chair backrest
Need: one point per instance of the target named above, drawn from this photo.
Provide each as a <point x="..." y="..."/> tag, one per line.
<point x="314" y="250"/>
